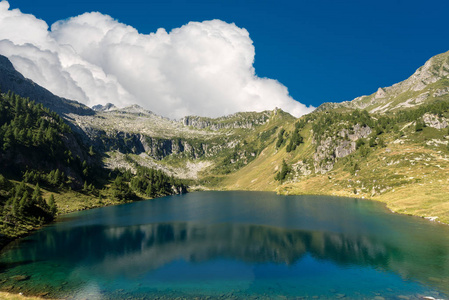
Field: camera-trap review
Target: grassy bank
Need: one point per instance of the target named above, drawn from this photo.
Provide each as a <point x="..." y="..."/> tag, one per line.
<point x="66" y="201"/>
<point x="408" y="174"/>
<point x="410" y="179"/>
<point x="9" y="296"/>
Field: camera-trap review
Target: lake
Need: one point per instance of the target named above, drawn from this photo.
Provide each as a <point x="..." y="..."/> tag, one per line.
<point x="235" y="245"/>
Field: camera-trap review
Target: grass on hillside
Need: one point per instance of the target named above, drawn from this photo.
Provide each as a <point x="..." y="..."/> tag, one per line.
<point x="409" y="174"/>
<point x="9" y="296"/>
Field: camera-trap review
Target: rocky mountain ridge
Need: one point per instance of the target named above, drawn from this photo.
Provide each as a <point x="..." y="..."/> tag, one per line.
<point x="395" y="139"/>
<point x="429" y="83"/>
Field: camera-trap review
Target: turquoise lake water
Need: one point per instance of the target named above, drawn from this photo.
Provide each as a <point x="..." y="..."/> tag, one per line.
<point x="233" y="245"/>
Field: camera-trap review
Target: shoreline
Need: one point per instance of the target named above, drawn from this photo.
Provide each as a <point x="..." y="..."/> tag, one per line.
<point x="414" y="203"/>
<point x="6" y="241"/>
<point x="17" y="296"/>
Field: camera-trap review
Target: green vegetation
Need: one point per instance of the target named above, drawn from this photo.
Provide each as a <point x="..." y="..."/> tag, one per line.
<point x="280" y="139"/>
<point x="282" y="174"/>
<point x="46" y="170"/>
<point x="49" y="170"/>
<point x="155" y="183"/>
<point x="296" y="139"/>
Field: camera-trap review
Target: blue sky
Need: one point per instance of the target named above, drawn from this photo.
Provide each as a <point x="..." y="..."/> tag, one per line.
<point x="320" y="50"/>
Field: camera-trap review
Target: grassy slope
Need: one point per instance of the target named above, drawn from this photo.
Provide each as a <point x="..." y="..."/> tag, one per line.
<point x="259" y="174"/>
<point x="410" y="177"/>
<point x="9" y="296"/>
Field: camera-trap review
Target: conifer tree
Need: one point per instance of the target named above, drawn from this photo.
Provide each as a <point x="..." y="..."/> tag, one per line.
<point x="52" y="205"/>
<point x="23" y="204"/>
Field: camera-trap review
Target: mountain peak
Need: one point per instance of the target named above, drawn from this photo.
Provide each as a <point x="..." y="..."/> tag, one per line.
<point x="428" y="83"/>
<point x="106" y="107"/>
<point x="12" y="80"/>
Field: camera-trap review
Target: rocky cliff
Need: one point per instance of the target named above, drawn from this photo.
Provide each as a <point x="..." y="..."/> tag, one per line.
<point x="429" y="83"/>
<point x="245" y="120"/>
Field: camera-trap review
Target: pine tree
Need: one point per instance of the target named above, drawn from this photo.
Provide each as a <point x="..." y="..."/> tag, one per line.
<point x="419" y="126"/>
<point x="23" y="204"/>
<point x="280" y="139"/>
<point x="52" y="205"/>
<point x="36" y="196"/>
<point x="16" y="206"/>
<point x="282" y="174"/>
<point x="57" y="177"/>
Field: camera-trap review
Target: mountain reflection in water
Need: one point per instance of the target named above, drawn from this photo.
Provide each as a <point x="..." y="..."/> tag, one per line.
<point x="136" y="246"/>
<point x="114" y="249"/>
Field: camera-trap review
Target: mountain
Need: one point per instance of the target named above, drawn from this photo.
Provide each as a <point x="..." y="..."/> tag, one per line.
<point x="392" y="146"/>
<point x="428" y="84"/>
<point x="11" y="80"/>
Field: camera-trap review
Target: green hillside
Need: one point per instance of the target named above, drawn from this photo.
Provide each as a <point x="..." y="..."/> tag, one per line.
<point x="392" y="146"/>
<point x="403" y="161"/>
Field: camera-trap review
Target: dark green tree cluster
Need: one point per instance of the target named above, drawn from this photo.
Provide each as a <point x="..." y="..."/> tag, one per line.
<point x="438" y="108"/>
<point x="265" y="135"/>
<point x="282" y="174"/>
<point x="26" y="124"/>
<point x="26" y="205"/>
<point x="419" y="125"/>
<point x="120" y="188"/>
<point x="32" y="144"/>
<point x="295" y="140"/>
<point x="280" y="139"/>
<point x="148" y="182"/>
<point x="54" y="178"/>
<point x="155" y="183"/>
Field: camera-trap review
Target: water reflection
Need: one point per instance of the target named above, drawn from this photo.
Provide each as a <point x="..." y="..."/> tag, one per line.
<point x="135" y="250"/>
<point x="106" y="244"/>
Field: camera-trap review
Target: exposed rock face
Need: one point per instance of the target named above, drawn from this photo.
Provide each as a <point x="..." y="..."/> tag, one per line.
<point x="134" y="109"/>
<point x="12" y="80"/>
<point x="156" y="147"/>
<point x="431" y="72"/>
<point x="238" y="120"/>
<point x="380" y="94"/>
<point x="301" y="169"/>
<point x="434" y="121"/>
<point x="106" y="107"/>
<point x="344" y="149"/>
<point x="414" y="91"/>
<point x="160" y="148"/>
<point x="338" y="146"/>
<point x="360" y="132"/>
<point x="441" y="92"/>
<point x="324" y="150"/>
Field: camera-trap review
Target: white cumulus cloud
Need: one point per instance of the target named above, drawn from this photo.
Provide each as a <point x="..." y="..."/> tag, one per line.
<point x="201" y="69"/>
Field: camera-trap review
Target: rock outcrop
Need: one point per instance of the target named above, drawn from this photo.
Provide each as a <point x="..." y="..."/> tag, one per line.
<point x="435" y="121"/>
<point x="338" y="146"/>
<point x="238" y="120"/>
<point x="429" y="82"/>
<point x="106" y="107"/>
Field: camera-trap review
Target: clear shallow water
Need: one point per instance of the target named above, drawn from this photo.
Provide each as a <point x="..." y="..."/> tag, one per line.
<point x="233" y="245"/>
